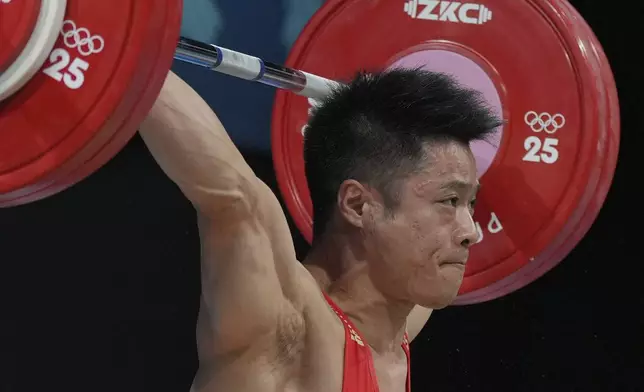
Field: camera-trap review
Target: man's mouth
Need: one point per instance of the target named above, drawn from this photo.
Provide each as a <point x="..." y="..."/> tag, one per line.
<point x="457" y="262"/>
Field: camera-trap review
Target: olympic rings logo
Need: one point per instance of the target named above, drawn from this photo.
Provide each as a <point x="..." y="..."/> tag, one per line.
<point x="544" y="121"/>
<point x="81" y="39"/>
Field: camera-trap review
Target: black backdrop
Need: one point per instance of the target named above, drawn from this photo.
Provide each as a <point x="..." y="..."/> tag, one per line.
<point x="99" y="285"/>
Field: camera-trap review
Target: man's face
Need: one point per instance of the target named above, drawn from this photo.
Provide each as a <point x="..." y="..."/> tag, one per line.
<point x="418" y="251"/>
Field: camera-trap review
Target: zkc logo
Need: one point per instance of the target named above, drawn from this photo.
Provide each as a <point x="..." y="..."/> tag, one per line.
<point x="448" y="11"/>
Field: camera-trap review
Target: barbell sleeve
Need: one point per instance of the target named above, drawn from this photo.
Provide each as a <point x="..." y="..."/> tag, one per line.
<point x="252" y="68"/>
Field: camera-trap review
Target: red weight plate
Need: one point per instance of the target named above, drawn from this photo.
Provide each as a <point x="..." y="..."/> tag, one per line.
<point x="71" y="109"/>
<point x="538" y="177"/>
<point x="17" y="21"/>
<point x="581" y="220"/>
<point x="167" y="43"/>
<point x="153" y="72"/>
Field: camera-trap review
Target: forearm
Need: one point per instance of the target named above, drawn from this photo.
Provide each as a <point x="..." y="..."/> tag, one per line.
<point x="192" y="147"/>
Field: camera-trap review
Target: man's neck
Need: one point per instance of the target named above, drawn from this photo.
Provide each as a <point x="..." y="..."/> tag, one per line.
<point x="345" y="278"/>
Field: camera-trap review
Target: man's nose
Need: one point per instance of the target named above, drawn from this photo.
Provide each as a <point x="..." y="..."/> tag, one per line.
<point x="466" y="233"/>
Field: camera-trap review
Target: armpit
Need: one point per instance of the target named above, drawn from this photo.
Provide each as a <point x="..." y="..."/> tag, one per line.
<point x="290" y="335"/>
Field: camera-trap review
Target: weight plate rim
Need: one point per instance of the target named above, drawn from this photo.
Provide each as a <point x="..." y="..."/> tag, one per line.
<point x="587" y="218"/>
<point x="37" y="49"/>
<point x="128" y="126"/>
<point x="37" y="172"/>
<point x="556" y="253"/>
<point x="580" y="183"/>
<point x="549" y="258"/>
<point x="155" y="78"/>
<point x="118" y="130"/>
<point x="78" y="143"/>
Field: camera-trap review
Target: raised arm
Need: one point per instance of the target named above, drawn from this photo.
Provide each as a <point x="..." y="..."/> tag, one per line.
<point x="192" y="147"/>
<point x="248" y="262"/>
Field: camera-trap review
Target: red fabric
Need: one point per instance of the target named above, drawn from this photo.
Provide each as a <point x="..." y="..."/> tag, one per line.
<point x="359" y="373"/>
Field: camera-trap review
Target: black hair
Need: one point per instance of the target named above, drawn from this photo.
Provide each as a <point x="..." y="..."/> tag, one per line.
<point x="373" y="130"/>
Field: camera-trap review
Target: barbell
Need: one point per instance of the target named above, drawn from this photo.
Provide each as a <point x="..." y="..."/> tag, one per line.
<point x="77" y="77"/>
<point x="252" y="68"/>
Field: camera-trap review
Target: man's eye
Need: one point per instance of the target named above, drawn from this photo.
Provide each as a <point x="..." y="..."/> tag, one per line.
<point x="453" y="201"/>
<point x="472" y="204"/>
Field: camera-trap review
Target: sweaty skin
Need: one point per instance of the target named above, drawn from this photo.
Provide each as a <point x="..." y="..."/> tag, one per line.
<point x="264" y="324"/>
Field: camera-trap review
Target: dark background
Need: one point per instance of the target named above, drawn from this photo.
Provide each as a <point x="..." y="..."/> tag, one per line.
<point x="99" y="285"/>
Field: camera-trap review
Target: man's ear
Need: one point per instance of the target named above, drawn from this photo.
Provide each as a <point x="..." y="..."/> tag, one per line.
<point x="352" y="199"/>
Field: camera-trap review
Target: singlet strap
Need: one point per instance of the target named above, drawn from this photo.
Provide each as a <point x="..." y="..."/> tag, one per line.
<point x="352" y="334"/>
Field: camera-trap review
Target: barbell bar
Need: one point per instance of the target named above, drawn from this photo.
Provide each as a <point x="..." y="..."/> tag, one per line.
<point x="252" y="68"/>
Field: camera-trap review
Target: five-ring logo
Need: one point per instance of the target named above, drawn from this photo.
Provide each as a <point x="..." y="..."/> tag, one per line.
<point x="81" y="39"/>
<point x="544" y="121"/>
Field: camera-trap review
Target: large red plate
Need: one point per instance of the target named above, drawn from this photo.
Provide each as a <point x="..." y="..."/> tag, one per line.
<point x="166" y="43"/>
<point x="86" y="96"/>
<point x="581" y="220"/>
<point x="539" y="179"/>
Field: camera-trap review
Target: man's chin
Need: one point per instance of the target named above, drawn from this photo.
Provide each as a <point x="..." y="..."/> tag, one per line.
<point x="438" y="292"/>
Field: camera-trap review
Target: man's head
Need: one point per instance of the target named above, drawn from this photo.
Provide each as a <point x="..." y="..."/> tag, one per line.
<point x="388" y="166"/>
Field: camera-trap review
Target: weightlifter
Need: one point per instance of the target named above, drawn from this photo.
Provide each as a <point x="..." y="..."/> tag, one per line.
<point x="393" y="184"/>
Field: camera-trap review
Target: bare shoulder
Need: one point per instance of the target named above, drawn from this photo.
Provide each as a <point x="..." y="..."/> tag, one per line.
<point x="264" y="314"/>
<point x="313" y="321"/>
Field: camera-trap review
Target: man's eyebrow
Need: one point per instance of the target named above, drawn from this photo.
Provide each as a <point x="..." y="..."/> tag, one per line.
<point x="461" y="185"/>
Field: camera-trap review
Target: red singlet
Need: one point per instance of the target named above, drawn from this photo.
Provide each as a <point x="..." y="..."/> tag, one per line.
<point x="359" y="372"/>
